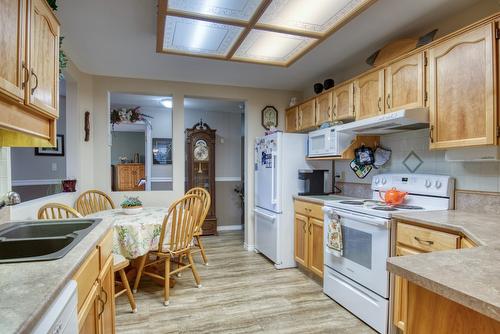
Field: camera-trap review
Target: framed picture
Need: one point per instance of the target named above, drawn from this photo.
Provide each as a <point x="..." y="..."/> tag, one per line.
<point x="162" y="151"/>
<point x="57" y="151"/>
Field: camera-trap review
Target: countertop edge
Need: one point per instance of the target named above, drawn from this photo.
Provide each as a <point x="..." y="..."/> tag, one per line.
<point x="30" y="323"/>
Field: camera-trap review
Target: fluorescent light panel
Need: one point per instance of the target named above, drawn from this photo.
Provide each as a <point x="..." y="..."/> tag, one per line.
<point x="221" y="29"/>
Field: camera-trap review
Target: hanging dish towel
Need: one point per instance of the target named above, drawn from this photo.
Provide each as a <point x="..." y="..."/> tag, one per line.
<point x="334" y="244"/>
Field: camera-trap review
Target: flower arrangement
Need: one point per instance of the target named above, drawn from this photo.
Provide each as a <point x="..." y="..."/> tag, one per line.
<point x="127" y="115"/>
<point x="131" y="203"/>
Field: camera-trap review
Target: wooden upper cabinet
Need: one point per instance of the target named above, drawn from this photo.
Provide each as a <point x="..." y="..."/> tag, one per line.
<point x="12" y="25"/>
<point x="292" y="119"/>
<point x="369" y="95"/>
<point x="307" y="115"/>
<point x="343" y="102"/>
<point x="461" y="90"/>
<point x="404" y="83"/>
<point x="324" y="108"/>
<point x="43" y="58"/>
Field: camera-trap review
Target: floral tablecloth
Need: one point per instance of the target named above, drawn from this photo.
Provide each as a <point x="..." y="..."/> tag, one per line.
<point x="135" y="235"/>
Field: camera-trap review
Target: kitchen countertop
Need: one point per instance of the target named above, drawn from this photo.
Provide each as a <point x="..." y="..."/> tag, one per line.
<point x="470" y="277"/>
<point x="320" y="199"/>
<point x="29" y="288"/>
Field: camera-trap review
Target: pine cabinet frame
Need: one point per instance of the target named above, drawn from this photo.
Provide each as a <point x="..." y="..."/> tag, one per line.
<point x="343" y="102"/>
<point x="369" y="94"/>
<point x="308" y="240"/>
<point x="324" y="103"/>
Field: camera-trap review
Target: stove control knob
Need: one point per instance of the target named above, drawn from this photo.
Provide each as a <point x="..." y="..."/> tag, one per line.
<point x="438" y="184"/>
<point x="384" y="181"/>
<point x="376" y="180"/>
<point x="428" y="183"/>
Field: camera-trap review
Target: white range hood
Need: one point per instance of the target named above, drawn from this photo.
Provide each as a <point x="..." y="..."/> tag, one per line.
<point x="397" y="121"/>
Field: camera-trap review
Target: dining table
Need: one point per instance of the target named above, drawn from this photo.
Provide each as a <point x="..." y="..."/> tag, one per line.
<point x="134" y="235"/>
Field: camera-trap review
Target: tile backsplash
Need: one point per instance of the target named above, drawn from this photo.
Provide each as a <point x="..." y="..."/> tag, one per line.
<point x="478" y="176"/>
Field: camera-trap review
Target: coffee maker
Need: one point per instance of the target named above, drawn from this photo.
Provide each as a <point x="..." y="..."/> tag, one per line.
<point x="312" y="182"/>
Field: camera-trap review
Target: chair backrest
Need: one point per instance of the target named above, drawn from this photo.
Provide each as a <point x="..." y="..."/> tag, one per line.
<point x="57" y="211"/>
<point x="181" y="222"/>
<point x="205" y="196"/>
<point x="93" y="201"/>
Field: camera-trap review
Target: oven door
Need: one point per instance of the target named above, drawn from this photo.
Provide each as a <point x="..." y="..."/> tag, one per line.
<point x="365" y="249"/>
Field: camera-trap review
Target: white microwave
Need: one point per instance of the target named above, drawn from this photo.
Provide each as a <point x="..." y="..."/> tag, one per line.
<point x="328" y="142"/>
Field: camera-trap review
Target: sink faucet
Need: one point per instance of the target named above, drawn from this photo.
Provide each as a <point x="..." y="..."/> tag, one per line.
<point x="11" y="198"/>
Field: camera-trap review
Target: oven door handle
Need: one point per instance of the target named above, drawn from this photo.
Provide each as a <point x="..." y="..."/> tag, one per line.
<point x="363" y="219"/>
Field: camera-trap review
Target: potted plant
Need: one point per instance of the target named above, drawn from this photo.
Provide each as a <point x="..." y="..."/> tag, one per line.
<point x="131" y="205"/>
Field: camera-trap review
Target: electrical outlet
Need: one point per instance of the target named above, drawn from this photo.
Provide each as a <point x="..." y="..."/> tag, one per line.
<point x="54" y="166"/>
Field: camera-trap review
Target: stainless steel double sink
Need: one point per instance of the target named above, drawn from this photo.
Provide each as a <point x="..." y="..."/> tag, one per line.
<point x="41" y="240"/>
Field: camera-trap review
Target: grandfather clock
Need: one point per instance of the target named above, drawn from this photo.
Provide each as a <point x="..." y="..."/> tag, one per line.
<point x="200" y="151"/>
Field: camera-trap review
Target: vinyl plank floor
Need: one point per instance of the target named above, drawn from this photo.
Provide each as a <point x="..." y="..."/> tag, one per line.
<point x="242" y="293"/>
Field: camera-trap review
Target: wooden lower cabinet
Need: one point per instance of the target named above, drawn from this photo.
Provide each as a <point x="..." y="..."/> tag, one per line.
<point x="412" y="239"/>
<point x="127" y="176"/>
<point x="96" y="296"/>
<point x="429" y="312"/>
<point x="309" y="236"/>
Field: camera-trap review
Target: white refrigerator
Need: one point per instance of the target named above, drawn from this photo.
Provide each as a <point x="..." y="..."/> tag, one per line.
<point x="278" y="158"/>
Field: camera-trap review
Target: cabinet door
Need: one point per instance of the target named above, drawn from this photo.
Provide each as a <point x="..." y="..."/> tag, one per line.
<point x="107" y="295"/>
<point x="369" y="95"/>
<point x="88" y="316"/>
<point x="12" y="23"/>
<point x="316" y="250"/>
<point x="461" y="90"/>
<point x="343" y="102"/>
<point x="301" y="239"/>
<point x="404" y="83"/>
<point x="43" y="58"/>
<point x="324" y="108"/>
<point x="291" y="119"/>
<point x="125" y="181"/>
<point x="307" y="115"/>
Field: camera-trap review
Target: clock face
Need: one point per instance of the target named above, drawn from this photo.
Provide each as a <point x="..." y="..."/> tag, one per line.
<point x="200" y="150"/>
<point x="269" y="117"/>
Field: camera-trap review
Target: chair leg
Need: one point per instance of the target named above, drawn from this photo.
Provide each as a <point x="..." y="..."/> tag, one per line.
<point x="166" y="284"/>
<point x="131" y="300"/>
<point x="193" y="269"/>
<point x="139" y="271"/>
<point x="202" y="249"/>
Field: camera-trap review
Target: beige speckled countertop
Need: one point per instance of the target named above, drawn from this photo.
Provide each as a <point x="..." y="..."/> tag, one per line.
<point x="470" y="277"/>
<point x="28" y="288"/>
<point x="320" y="199"/>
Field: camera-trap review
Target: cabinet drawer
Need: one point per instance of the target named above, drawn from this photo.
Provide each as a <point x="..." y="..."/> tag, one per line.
<point x="425" y="239"/>
<point x="86" y="276"/>
<point x="309" y="209"/>
<point x="105" y="248"/>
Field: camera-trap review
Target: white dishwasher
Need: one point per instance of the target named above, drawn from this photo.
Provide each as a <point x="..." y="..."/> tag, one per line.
<point x="61" y="317"/>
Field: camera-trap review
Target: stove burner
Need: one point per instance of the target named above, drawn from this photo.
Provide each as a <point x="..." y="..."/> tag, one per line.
<point x="409" y="207"/>
<point x="384" y="208"/>
<point x="351" y="202"/>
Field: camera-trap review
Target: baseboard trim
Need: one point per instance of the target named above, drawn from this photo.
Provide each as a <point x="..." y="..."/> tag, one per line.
<point x="230" y="228"/>
<point x="248" y="247"/>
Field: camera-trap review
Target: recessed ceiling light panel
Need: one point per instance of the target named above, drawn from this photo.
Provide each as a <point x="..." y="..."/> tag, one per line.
<point x="184" y="35"/>
<point x="266" y="46"/>
<point x="318" y="16"/>
<point x="241" y="10"/>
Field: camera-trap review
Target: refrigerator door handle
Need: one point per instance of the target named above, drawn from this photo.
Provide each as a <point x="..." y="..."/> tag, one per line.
<point x="265" y="215"/>
<point x="274" y="198"/>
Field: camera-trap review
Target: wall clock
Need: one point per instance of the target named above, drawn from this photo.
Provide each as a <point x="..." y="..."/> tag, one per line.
<point x="269" y="117"/>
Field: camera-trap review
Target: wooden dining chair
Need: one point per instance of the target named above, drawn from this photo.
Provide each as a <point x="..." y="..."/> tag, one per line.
<point x="57" y="211"/>
<point x="198" y="245"/>
<point x="119" y="265"/>
<point x="93" y="201"/>
<point x="176" y="236"/>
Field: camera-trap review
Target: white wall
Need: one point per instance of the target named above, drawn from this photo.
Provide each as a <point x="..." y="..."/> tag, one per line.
<point x="479" y="176"/>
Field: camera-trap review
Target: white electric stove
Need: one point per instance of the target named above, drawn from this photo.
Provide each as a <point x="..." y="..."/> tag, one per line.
<point x="358" y="279"/>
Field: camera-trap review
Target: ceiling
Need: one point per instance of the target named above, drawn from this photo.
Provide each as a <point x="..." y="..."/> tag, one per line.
<point x="274" y="32"/>
<point x="118" y="38"/>
<point x="190" y="103"/>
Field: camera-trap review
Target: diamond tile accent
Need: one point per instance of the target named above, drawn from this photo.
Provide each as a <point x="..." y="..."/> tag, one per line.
<point x="412" y="162"/>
